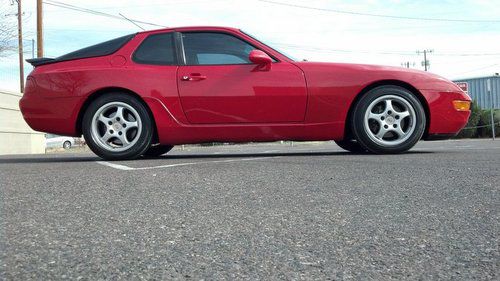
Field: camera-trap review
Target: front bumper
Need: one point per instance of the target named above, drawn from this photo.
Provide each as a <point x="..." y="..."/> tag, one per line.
<point x="444" y="120"/>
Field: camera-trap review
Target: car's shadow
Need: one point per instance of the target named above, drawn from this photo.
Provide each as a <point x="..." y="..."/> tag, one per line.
<point x="74" y="159"/>
<point x="48" y="159"/>
<point x="273" y="154"/>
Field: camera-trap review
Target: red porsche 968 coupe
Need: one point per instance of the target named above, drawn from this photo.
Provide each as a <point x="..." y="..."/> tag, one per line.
<point x="143" y="93"/>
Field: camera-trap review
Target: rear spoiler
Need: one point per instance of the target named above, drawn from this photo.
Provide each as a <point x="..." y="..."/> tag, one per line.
<point x="40" y="61"/>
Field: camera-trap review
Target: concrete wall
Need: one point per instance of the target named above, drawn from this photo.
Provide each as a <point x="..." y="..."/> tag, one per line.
<point x="16" y="137"/>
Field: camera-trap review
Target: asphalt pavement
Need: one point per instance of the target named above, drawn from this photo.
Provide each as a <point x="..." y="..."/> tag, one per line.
<point x="255" y="211"/>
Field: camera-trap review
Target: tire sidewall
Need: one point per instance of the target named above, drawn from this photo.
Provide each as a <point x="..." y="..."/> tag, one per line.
<point x="136" y="150"/>
<point x="362" y="106"/>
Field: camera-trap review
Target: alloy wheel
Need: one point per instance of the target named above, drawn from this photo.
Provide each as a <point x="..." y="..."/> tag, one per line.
<point x="116" y="126"/>
<point x="389" y="120"/>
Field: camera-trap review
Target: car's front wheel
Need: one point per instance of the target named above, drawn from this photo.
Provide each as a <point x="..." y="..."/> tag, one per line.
<point x="117" y="126"/>
<point x="388" y="119"/>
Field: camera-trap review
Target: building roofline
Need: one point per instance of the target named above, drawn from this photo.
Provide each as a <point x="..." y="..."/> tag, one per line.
<point x="478" y="77"/>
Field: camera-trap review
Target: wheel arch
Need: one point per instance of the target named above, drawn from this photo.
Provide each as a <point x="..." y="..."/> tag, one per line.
<point x="405" y="85"/>
<point x="103" y="91"/>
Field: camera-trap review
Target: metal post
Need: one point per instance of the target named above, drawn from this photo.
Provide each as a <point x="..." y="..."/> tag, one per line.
<point x="488" y="86"/>
<point x="32" y="48"/>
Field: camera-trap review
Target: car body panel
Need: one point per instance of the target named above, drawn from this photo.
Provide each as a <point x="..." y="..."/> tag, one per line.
<point x="243" y="93"/>
<point x="295" y="101"/>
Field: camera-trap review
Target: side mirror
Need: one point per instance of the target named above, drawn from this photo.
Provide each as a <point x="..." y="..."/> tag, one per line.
<point x="259" y="57"/>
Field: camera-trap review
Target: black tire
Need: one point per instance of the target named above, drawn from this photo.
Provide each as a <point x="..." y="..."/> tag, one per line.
<point x="403" y="100"/>
<point x="157" y="150"/>
<point x="142" y="140"/>
<point x="351" y="146"/>
<point x="67" y="145"/>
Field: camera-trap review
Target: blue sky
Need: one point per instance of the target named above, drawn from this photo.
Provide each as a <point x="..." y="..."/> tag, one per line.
<point x="316" y="35"/>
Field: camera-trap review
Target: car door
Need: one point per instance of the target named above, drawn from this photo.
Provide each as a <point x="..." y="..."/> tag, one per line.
<point x="218" y="84"/>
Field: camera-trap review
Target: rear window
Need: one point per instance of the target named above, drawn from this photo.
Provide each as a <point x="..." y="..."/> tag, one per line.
<point x="101" y="49"/>
<point x="158" y="49"/>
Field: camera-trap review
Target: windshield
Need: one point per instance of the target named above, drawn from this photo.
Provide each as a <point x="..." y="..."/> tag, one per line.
<point x="271" y="46"/>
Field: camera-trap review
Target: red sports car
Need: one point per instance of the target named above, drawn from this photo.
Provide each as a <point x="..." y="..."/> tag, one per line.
<point x="143" y="93"/>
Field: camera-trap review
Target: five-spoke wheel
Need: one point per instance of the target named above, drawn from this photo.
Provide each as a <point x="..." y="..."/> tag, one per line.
<point x="388" y="119"/>
<point x="118" y="126"/>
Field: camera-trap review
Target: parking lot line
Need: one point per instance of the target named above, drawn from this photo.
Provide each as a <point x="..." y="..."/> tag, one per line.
<point x="128" y="168"/>
<point x="115" y="166"/>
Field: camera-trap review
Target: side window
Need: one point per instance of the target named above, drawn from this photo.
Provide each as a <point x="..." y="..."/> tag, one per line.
<point x="158" y="49"/>
<point x="202" y="48"/>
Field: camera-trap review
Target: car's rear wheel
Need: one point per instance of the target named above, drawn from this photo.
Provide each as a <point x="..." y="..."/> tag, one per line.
<point x="157" y="150"/>
<point x="351" y="146"/>
<point x="388" y="119"/>
<point x="117" y="126"/>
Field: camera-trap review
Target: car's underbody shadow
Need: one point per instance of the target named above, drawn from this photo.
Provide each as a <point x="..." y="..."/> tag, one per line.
<point x="274" y="154"/>
<point x="77" y="158"/>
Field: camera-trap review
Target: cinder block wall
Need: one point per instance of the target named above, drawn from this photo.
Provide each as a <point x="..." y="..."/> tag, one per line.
<point x="16" y="137"/>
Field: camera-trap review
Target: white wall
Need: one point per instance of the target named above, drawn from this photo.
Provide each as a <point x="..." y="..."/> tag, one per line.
<point x="16" y="137"/>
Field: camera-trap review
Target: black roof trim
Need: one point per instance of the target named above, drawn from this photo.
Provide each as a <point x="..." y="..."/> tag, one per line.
<point x="98" y="50"/>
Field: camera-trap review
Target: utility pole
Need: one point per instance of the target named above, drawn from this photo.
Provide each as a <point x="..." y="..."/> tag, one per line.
<point x="407" y="64"/>
<point x="39" y="29"/>
<point x="20" y="42"/>
<point x="426" y="62"/>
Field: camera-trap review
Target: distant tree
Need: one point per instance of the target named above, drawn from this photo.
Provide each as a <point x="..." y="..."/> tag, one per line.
<point x="8" y="28"/>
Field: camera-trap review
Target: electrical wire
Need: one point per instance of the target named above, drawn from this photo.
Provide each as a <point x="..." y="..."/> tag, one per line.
<point x="403" y="53"/>
<point x="94" y="12"/>
<point x="379" y="15"/>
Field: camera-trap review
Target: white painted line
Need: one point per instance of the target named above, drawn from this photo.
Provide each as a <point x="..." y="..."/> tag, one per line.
<point x="127" y="168"/>
<point x="115" y="166"/>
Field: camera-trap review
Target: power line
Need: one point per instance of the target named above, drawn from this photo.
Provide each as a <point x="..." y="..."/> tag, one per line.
<point x="402" y="53"/>
<point x="476" y="69"/>
<point x="94" y="12"/>
<point x="379" y="15"/>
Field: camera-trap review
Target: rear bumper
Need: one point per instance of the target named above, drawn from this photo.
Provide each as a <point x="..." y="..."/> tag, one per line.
<point x="50" y="115"/>
<point x="444" y="120"/>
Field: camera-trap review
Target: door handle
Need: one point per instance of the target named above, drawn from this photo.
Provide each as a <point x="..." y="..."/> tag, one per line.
<point x="194" y="77"/>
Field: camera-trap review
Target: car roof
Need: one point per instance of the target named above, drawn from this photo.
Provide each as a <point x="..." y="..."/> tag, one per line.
<point x="192" y="28"/>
